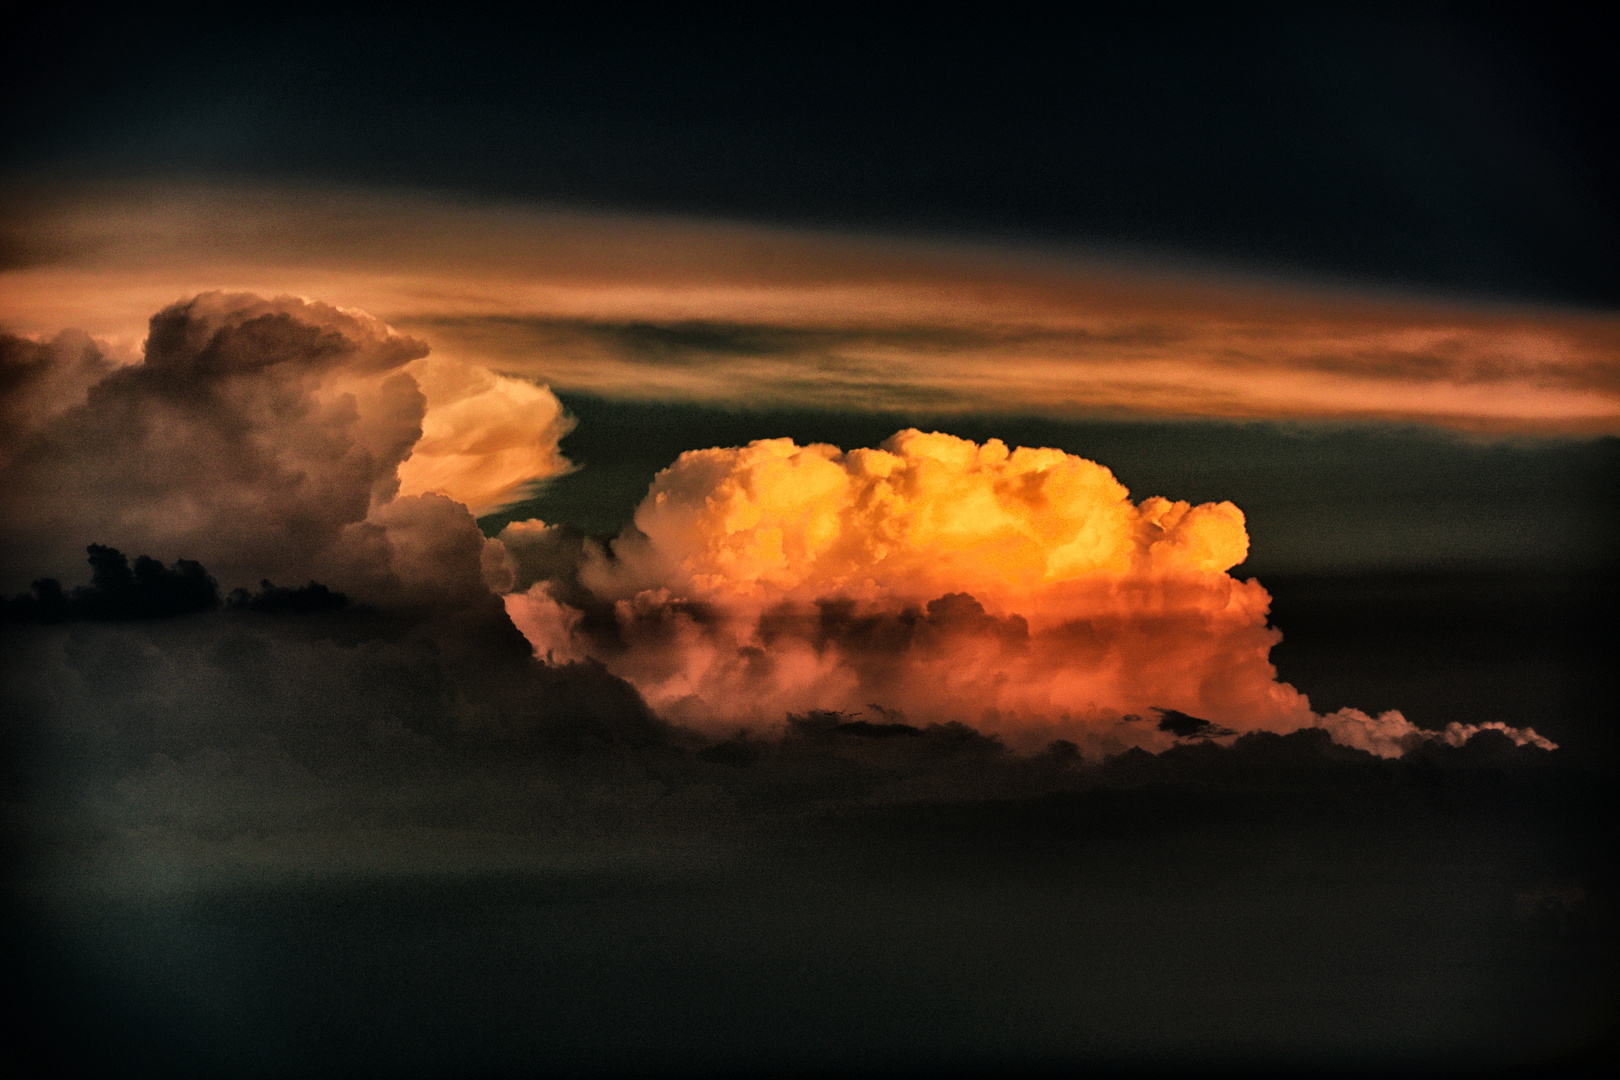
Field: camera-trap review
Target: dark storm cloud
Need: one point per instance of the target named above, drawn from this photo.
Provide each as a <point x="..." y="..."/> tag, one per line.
<point x="178" y="732"/>
<point x="233" y="830"/>
<point x="271" y="599"/>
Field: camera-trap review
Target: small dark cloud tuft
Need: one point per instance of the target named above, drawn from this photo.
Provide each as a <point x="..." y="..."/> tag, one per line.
<point x="739" y="750"/>
<point x="311" y="599"/>
<point x="1183" y="726"/>
<point x="865" y="729"/>
<point x="118" y="591"/>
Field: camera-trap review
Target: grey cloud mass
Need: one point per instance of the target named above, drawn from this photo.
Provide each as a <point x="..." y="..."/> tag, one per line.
<point x="251" y="436"/>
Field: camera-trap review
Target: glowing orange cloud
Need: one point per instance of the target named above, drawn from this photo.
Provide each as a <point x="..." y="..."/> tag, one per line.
<point x="1016" y="590"/>
<point x="926" y="513"/>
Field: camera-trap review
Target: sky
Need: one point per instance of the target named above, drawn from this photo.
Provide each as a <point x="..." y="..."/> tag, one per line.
<point x="688" y="543"/>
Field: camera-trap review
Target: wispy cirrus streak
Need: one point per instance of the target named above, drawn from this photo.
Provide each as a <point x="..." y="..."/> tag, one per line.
<point x="725" y="313"/>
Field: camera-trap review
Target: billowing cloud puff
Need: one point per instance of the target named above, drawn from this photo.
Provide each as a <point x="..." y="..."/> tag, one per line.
<point x="1390" y="734"/>
<point x="926" y="514"/>
<point x="40" y="379"/>
<point x="1019" y="591"/>
<point x="273" y="438"/>
<point x="485" y="437"/>
<point x="251" y="434"/>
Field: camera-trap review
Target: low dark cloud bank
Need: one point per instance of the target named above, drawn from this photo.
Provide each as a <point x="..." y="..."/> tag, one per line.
<point x="147" y="667"/>
<point x="334" y="843"/>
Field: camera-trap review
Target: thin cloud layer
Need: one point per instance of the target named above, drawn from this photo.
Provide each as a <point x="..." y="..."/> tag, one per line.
<point x="1018" y="591"/>
<point x="1226" y="363"/>
<point x="670" y="309"/>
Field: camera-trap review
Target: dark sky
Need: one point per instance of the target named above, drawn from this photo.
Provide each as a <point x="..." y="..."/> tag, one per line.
<point x="352" y="843"/>
<point x="1454" y="149"/>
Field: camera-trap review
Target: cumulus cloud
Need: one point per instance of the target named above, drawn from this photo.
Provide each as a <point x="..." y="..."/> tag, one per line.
<point x="1390" y="734"/>
<point x="1016" y="590"/>
<point x="486" y="438"/>
<point x="932" y="580"/>
<point x="926" y="513"/>
<point x="41" y="379"/>
<point x="1019" y="591"/>
<point x="278" y="438"/>
<point x="253" y="432"/>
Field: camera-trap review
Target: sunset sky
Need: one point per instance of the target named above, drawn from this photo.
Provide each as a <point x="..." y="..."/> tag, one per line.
<point x="573" y="468"/>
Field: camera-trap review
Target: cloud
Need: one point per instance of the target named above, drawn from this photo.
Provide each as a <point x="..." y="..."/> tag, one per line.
<point x="275" y="438"/>
<point x="239" y="722"/>
<point x="1457" y="370"/>
<point x="486" y="438"/>
<point x="1391" y="734"/>
<point x="1183" y="726"/>
<point x="925" y="512"/>
<point x="661" y="309"/>
<point x="311" y="599"/>
<point x="1017" y="591"/>
<point x="166" y="753"/>
<point x="249" y="436"/>
<point x="41" y="379"/>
